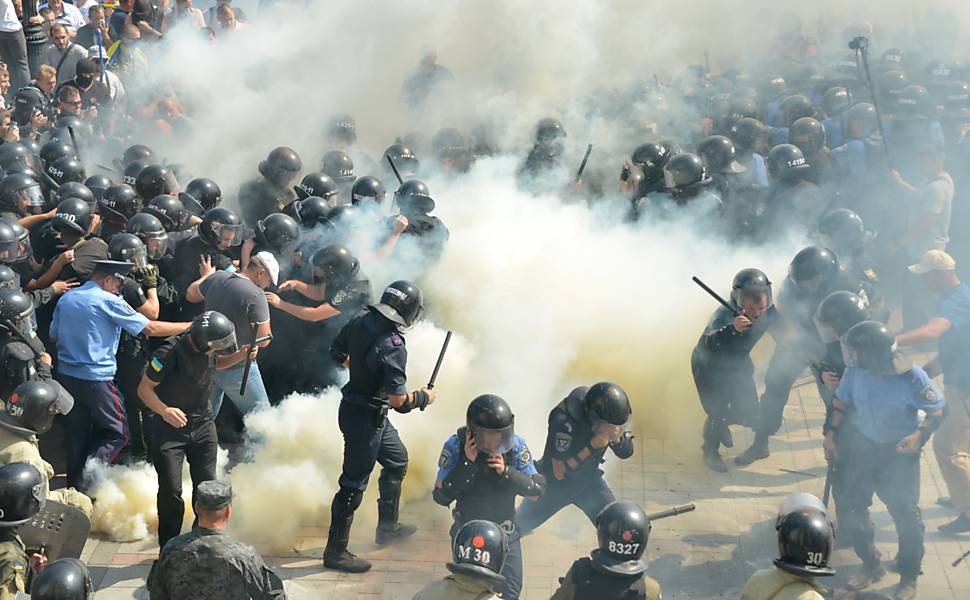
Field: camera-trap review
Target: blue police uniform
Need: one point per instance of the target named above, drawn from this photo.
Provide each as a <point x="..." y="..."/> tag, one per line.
<point x="570" y="432"/>
<point x="87" y="327"/>
<point x="833" y="132"/>
<point x="882" y="410"/>
<point x="954" y="345"/>
<point x="378" y="357"/>
<point x="479" y="492"/>
<point x="758" y="170"/>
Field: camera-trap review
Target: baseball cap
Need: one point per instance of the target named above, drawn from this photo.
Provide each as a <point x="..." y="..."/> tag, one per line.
<point x="934" y="260"/>
<point x="213" y="495"/>
<point x="93" y="52"/>
<point x="272" y="265"/>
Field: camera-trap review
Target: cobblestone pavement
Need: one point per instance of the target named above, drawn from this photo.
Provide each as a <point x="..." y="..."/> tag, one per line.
<point x="705" y="554"/>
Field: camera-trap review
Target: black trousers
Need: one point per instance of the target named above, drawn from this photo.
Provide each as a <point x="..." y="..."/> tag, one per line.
<point x="127" y="377"/>
<point x="787" y="363"/>
<point x="170" y="447"/>
<point x="727" y="392"/>
<point x="13" y="51"/>
<point x="871" y="468"/>
<point x="590" y="494"/>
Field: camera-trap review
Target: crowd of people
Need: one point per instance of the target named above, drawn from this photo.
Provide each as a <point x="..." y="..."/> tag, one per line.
<point x="134" y="299"/>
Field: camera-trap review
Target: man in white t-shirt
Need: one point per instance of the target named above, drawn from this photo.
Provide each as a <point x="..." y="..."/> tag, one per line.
<point x="13" y="45"/>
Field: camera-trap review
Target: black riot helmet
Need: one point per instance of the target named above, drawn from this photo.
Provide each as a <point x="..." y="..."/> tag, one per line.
<point x="281" y="166"/>
<point x="892" y="57"/>
<point x="131" y="172"/>
<point x="74" y="215"/>
<point x="316" y="184"/>
<point x="795" y="107"/>
<point x="838" y="312"/>
<point x="805" y="541"/>
<point x="14" y="242"/>
<point x="787" y="162"/>
<point x="651" y="157"/>
<point x="154" y="181"/>
<point x="479" y="550"/>
<point x="914" y="102"/>
<point x="63" y="170"/>
<point x="128" y="247"/>
<point x="16" y="309"/>
<point x="63" y="579"/>
<point x="717" y="152"/>
<point x="169" y="210"/>
<point x="871" y="346"/>
<point x="684" y="171"/>
<point x="8" y="278"/>
<point x="21" y="194"/>
<point x="118" y="203"/>
<point x="799" y="501"/>
<point x="342" y="128"/>
<point x="213" y="332"/>
<point x="743" y="108"/>
<point x="843" y="231"/>
<point x="890" y="84"/>
<point x="14" y="153"/>
<point x="367" y="189"/>
<point x="22" y="489"/>
<point x="341" y="217"/>
<point x="98" y="183"/>
<point x="955" y="99"/>
<point x="405" y="160"/>
<point x="402" y="303"/>
<point x="136" y="152"/>
<point x="308" y="212"/>
<point x="812" y="267"/>
<point x="747" y="132"/>
<point x="750" y="283"/>
<point x="622" y="529"/>
<point x="333" y="264"/>
<point x="205" y="191"/>
<point x="549" y="129"/>
<point x="34" y="404"/>
<point x="278" y="232"/>
<point x="338" y="165"/>
<point x="491" y="423"/>
<point x="836" y="101"/>
<point x="151" y="232"/>
<point x="449" y="144"/>
<point x="414" y="198"/>
<point x="773" y="86"/>
<point x="221" y="226"/>
<point x="808" y="134"/>
<point x="607" y="407"/>
<point x="862" y="115"/>
<point x="54" y="150"/>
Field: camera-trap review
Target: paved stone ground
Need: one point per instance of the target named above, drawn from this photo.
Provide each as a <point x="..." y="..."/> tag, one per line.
<point x="706" y="554"/>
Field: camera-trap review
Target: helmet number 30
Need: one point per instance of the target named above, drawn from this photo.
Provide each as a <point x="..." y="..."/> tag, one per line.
<point x="814" y="558"/>
<point x="623" y="548"/>
<point x="475" y="554"/>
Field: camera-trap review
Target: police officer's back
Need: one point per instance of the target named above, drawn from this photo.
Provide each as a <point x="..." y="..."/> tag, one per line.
<point x="615" y="569"/>
<point x="271" y="192"/>
<point x="479" y="551"/>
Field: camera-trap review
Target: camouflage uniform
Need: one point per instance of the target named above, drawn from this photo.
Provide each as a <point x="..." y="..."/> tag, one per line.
<point x="13" y="565"/>
<point x="207" y="564"/>
<point x="20" y="445"/>
<point x="457" y="586"/>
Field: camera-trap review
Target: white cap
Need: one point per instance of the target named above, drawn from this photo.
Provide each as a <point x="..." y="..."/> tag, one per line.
<point x="93" y="52"/>
<point x="934" y="260"/>
<point x="272" y="265"/>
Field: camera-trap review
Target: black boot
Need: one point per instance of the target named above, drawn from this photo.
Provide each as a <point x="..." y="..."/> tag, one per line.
<point x="712" y="445"/>
<point x="388" y="529"/>
<point x="713" y="460"/>
<point x="757" y="451"/>
<point x="336" y="556"/>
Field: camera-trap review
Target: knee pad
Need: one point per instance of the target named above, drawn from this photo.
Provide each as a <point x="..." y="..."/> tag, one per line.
<point x="346" y="501"/>
<point x="391" y="479"/>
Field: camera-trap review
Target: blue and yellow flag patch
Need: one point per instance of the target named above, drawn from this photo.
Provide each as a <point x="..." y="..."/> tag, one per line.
<point x="157" y="365"/>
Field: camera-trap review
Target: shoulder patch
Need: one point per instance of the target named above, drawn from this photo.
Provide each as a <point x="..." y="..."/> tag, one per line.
<point x="929" y="394"/>
<point x="563" y="440"/>
<point x="338" y="298"/>
<point x="870" y="273"/>
<point x="397" y="340"/>
<point x="525" y="457"/>
<point x="157" y="365"/>
<point x="444" y="458"/>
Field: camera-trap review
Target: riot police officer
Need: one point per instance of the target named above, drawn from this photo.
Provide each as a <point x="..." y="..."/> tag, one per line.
<point x="367" y="192"/>
<point x="749" y="136"/>
<point x="218" y="238"/>
<point x="581" y="428"/>
<point x="643" y="174"/>
<point x="319" y="185"/>
<point x="792" y="198"/>
<point x="479" y="551"/>
<point x="64" y="579"/>
<point x="21" y="497"/>
<point x="373" y="347"/>
<point x="425" y="232"/>
<point x="842" y="231"/>
<point x="116" y="205"/>
<point x="21" y="199"/>
<point x="808" y="135"/>
<point x="546" y="155"/>
<point x="205" y="192"/>
<point x="616" y="568"/>
<point x="308" y="313"/>
<point x="721" y="362"/>
<point x="272" y="191"/>
<point x="22" y="355"/>
<point x="482" y="468"/>
<point x="687" y="184"/>
<point x="805" y="542"/>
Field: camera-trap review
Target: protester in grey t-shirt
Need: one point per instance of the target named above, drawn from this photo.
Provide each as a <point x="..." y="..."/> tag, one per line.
<point x="241" y="298"/>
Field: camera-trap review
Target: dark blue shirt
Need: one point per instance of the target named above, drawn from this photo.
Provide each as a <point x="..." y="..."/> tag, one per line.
<point x="954" y="345"/>
<point x="454" y="450"/>
<point x="884" y="407"/>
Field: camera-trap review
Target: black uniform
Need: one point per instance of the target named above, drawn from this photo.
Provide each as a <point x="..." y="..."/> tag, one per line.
<point x="570" y="431"/>
<point x="184" y="377"/>
<point x="186" y="264"/>
<point x="132" y="356"/>
<point x="428" y="234"/>
<point x="262" y="197"/>
<point x="18" y="362"/>
<point x="584" y="581"/>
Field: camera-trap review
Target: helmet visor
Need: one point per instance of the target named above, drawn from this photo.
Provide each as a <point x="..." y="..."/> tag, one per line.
<point x="156" y="244"/>
<point x="224" y="346"/>
<point x="850" y="356"/>
<point x="140" y="259"/>
<point x="669" y="179"/>
<point x="14" y="251"/>
<point x="609" y="430"/>
<point x="494" y="441"/>
<point x="32" y="199"/>
<point x="809" y="285"/>
<point x="825" y="331"/>
<point x="229" y="235"/>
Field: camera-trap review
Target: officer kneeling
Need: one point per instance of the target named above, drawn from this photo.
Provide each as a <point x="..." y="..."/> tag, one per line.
<point x="805" y="540"/>
<point x="615" y="569"/>
<point x="479" y="550"/>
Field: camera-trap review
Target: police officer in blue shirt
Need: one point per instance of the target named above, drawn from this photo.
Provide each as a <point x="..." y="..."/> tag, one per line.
<point x="876" y="411"/>
<point x="372" y="346"/>
<point x="950" y="327"/>
<point x="86" y="327"/>
<point x="482" y="468"/>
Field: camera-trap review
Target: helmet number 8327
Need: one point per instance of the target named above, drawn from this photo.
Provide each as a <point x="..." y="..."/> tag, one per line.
<point x="621" y="548"/>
